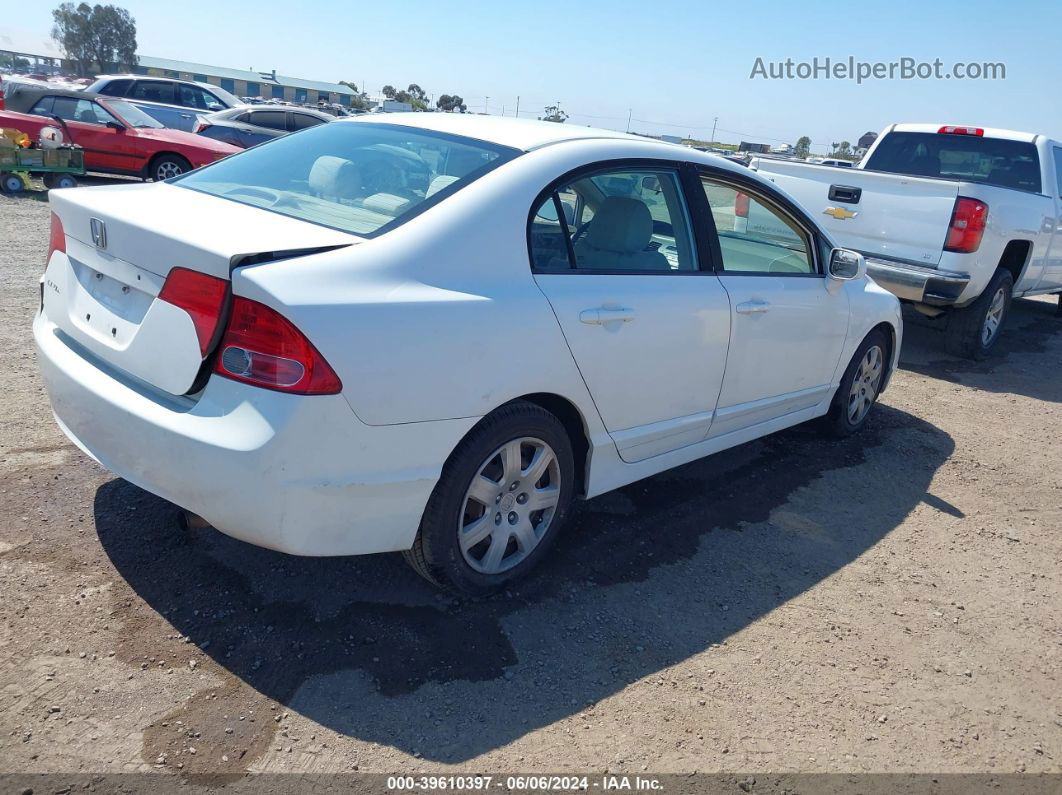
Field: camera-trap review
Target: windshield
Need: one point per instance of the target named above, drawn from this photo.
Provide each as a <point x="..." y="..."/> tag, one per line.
<point x="131" y="114"/>
<point x="357" y="177"/>
<point x="971" y="158"/>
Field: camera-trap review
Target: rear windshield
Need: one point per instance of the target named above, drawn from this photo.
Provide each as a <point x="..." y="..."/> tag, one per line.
<point x="352" y="176"/>
<point x="993" y="161"/>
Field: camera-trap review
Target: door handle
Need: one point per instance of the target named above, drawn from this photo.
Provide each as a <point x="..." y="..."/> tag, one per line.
<point x="186" y="115"/>
<point x="755" y="307"/>
<point x="603" y="315"/>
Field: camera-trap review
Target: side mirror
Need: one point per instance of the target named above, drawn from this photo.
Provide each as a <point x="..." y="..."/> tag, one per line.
<point x="114" y="125"/>
<point x="213" y="106"/>
<point x="846" y="265"/>
<point x="651" y="184"/>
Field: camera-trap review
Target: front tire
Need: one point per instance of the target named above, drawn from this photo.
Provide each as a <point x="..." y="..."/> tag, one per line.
<point x="972" y="332"/>
<point x="166" y="167"/>
<point x="859" y="388"/>
<point x="500" y="503"/>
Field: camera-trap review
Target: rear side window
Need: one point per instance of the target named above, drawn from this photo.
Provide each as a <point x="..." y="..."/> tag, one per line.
<point x="152" y="91"/>
<point x="116" y="88"/>
<point x="363" y="178"/>
<point x="271" y="119"/>
<point x="972" y="158"/>
<point x="614" y="221"/>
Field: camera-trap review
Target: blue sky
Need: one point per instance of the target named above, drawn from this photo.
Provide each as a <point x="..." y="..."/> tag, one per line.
<point x="673" y="65"/>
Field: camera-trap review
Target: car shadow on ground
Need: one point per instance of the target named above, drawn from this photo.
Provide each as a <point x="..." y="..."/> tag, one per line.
<point x="1033" y="327"/>
<point x="644" y="577"/>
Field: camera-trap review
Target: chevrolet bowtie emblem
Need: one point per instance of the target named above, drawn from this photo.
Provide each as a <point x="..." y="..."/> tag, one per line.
<point x="839" y="213"/>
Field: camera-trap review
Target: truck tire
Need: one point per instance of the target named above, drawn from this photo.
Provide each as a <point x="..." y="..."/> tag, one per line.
<point x="972" y="332"/>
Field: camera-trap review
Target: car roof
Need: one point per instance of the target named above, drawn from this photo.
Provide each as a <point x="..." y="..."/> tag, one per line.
<point x="26" y="96"/>
<point x="524" y="134"/>
<point x="156" y="79"/>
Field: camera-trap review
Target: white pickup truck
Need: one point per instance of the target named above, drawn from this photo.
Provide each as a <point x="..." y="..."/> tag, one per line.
<point x="951" y="219"/>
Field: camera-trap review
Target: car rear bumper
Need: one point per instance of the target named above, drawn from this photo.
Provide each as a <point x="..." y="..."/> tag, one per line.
<point x="910" y="282"/>
<point x="298" y="474"/>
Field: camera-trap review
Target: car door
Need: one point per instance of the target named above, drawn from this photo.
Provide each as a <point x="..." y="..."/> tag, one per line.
<point x="789" y="322"/>
<point x="642" y="312"/>
<point x="107" y="148"/>
<point x="1052" y="277"/>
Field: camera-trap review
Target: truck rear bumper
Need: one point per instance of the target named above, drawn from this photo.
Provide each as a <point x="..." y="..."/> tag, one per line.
<point x="917" y="283"/>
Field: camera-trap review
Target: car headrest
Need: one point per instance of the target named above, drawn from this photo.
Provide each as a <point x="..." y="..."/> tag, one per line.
<point x="621" y="224"/>
<point x="386" y="203"/>
<point x="440" y="182"/>
<point x="335" y="176"/>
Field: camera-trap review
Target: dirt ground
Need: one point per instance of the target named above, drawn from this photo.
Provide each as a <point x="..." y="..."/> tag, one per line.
<point x="887" y="603"/>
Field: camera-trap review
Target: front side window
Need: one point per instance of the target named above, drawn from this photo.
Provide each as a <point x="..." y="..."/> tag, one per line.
<point x="82" y="110"/>
<point x="195" y="97"/>
<point x="615" y="221"/>
<point x="363" y="178"/>
<point x="43" y="107"/>
<point x="754" y="235"/>
<point x="1058" y="171"/>
<point x="300" y="121"/>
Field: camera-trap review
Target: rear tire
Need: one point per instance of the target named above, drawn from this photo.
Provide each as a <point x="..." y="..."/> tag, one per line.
<point x="11" y="183"/>
<point x="59" y="181"/>
<point x="483" y="526"/>
<point x="859" y="388"/>
<point x="973" y="331"/>
<point x="166" y="167"/>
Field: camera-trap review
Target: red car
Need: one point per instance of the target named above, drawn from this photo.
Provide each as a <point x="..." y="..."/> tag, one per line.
<point x="117" y="137"/>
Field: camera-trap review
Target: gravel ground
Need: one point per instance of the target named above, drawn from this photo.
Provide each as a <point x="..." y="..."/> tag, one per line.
<point x="886" y="603"/>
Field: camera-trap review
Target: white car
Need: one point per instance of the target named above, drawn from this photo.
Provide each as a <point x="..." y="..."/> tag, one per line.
<point x="431" y="332"/>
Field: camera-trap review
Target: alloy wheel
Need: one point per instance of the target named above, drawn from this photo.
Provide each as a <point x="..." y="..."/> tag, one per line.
<point x="166" y="170"/>
<point x="994" y="317"/>
<point x="509" y="505"/>
<point x="865" y="384"/>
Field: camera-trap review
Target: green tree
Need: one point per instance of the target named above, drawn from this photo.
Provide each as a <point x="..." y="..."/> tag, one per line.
<point x="554" y="113"/>
<point x="843" y="149"/>
<point x="451" y="103"/>
<point x="803" y="147"/>
<point x="359" y="101"/>
<point x="100" y="35"/>
<point x="389" y="91"/>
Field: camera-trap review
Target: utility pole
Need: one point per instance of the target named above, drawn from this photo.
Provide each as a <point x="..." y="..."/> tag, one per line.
<point x="518" y="106"/>
<point x="630" y="112"/>
<point x="715" y="121"/>
<point x="486" y="105"/>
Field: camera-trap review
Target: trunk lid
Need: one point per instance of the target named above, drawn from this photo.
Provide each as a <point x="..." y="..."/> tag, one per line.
<point x="121" y="244"/>
<point x="887" y="214"/>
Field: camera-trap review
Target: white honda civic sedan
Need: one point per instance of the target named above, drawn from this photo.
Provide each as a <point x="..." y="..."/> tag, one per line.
<point x="431" y="332"/>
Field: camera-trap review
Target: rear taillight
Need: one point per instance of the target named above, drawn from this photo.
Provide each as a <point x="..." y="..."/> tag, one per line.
<point x="56" y="238"/>
<point x="741" y="205"/>
<point x="967" y="226"/>
<point x="951" y="129"/>
<point x="199" y="126"/>
<point x="263" y="348"/>
<point x="201" y="296"/>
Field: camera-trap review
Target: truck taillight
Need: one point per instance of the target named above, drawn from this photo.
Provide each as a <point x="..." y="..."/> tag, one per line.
<point x="951" y="129"/>
<point x="201" y="296"/>
<point x="263" y="348"/>
<point x="967" y="226"/>
<point x="56" y="238"/>
<point x="741" y="205"/>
